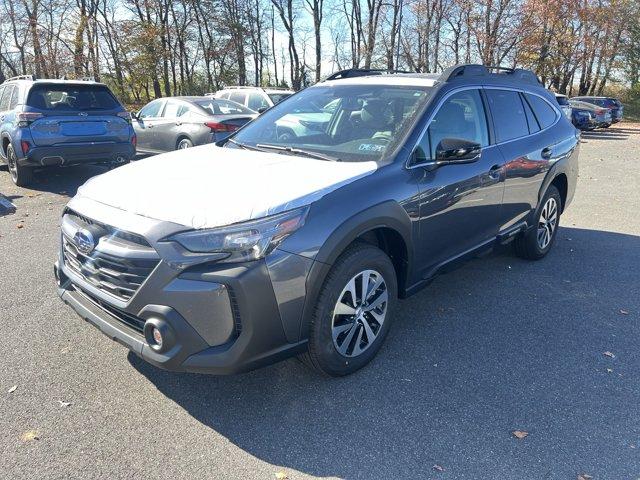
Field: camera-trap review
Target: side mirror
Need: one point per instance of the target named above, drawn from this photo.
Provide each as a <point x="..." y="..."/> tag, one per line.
<point x="134" y="115"/>
<point x="263" y="109"/>
<point x="453" y="150"/>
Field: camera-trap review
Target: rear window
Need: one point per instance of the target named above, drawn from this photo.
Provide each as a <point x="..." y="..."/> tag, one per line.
<point x="545" y="114"/>
<point x="278" y="97"/>
<point x="223" y="107"/>
<point x="71" y="97"/>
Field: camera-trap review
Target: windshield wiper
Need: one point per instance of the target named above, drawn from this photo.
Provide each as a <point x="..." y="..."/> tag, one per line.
<point x="244" y="145"/>
<point x="299" y="151"/>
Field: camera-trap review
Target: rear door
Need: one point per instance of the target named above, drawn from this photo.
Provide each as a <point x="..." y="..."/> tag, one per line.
<point x="75" y="113"/>
<point x="522" y="123"/>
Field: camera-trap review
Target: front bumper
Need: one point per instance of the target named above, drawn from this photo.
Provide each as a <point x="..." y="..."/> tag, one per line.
<point x="218" y="318"/>
<point x="75" y="154"/>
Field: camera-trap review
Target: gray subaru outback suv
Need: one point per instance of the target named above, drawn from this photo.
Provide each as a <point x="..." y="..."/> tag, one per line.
<point x="223" y="258"/>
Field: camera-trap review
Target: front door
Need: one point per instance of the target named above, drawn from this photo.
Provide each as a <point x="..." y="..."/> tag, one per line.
<point x="145" y="124"/>
<point x="460" y="202"/>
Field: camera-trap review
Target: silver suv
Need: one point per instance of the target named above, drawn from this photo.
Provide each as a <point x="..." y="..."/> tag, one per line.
<point x="257" y="99"/>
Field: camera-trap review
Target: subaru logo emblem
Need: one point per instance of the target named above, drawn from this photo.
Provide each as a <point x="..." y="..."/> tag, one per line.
<point x="83" y="114"/>
<point x="84" y="241"/>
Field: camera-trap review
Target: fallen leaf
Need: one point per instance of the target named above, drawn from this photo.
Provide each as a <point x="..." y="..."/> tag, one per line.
<point x="12" y="389"/>
<point x="519" y="434"/>
<point x="64" y="404"/>
<point x="30" y="435"/>
<point x="624" y="312"/>
<point x="20" y="225"/>
<point x="281" y="475"/>
<point x="438" y="468"/>
<point x="584" y="476"/>
<point x="609" y="354"/>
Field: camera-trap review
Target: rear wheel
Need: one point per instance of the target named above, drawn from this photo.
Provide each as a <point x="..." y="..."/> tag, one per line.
<point x="353" y="312"/>
<point x="21" y="176"/>
<point x="184" y="143"/>
<point x="537" y="242"/>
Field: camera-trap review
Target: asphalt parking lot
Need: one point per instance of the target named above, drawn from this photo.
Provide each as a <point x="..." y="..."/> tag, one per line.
<point x="549" y="348"/>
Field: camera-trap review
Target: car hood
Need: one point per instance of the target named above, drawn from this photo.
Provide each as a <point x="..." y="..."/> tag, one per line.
<point x="209" y="186"/>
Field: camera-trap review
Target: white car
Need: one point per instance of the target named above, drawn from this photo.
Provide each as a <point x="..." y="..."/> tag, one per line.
<point x="256" y="98"/>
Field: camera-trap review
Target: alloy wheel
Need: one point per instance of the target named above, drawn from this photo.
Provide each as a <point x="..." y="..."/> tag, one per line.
<point x="547" y="222"/>
<point x="183" y="144"/>
<point x="359" y="313"/>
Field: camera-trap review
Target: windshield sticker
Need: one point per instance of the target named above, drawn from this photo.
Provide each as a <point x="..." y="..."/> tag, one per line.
<point x="371" y="147"/>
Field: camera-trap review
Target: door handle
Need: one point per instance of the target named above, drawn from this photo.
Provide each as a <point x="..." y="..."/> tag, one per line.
<point x="546" y="153"/>
<point x="149" y="126"/>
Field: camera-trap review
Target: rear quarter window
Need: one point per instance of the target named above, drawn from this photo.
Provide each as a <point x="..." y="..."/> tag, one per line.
<point x="545" y="114"/>
<point x="71" y="97"/>
<point x="508" y="113"/>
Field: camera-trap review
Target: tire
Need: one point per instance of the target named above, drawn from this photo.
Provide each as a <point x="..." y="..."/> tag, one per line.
<point x="537" y="241"/>
<point x="184" y="143"/>
<point x="359" y="332"/>
<point x="606" y="125"/>
<point x="21" y="176"/>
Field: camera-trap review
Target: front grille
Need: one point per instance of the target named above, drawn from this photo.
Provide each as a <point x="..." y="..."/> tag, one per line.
<point x="129" y="320"/>
<point x="118" y="265"/>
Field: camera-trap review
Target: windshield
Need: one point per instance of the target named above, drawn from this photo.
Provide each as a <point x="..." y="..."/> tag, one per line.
<point x="71" y="97"/>
<point x="345" y="122"/>
<point x="278" y="97"/>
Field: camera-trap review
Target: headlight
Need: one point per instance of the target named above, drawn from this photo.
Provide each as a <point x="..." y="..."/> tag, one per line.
<point x="244" y="241"/>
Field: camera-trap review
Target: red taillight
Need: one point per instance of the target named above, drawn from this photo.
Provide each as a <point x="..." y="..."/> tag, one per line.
<point x="134" y="140"/>
<point x="26" y="146"/>
<point x="221" y="127"/>
<point x="25" y="118"/>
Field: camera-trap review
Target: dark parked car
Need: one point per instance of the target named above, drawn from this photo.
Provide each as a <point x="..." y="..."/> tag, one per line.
<point x="175" y="123"/>
<point x="221" y="259"/>
<point x="613" y="104"/>
<point x="61" y="122"/>
<point x="599" y="117"/>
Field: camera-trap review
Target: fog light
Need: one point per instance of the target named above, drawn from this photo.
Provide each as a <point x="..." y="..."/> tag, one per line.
<point x="157" y="337"/>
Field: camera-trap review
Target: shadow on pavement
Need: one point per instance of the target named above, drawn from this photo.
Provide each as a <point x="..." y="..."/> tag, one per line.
<point x="498" y="345"/>
<point x="64" y="180"/>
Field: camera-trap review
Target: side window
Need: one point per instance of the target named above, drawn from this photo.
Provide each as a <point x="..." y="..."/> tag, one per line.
<point x="508" y="113"/>
<point x="461" y="116"/>
<point x="14" y="98"/>
<point x="152" y="110"/>
<point x="171" y="110"/>
<point x="237" y="97"/>
<point x="545" y="114"/>
<point x="534" y="126"/>
<point x="257" y="101"/>
<point x="5" y="97"/>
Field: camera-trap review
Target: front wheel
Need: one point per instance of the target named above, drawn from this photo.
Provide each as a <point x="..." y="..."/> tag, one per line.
<point x="21" y="176"/>
<point x="537" y="242"/>
<point x="353" y="312"/>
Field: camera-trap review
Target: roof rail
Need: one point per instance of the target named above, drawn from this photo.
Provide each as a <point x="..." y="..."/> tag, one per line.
<point x="361" y="72"/>
<point x="476" y="70"/>
<point x="21" y="77"/>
